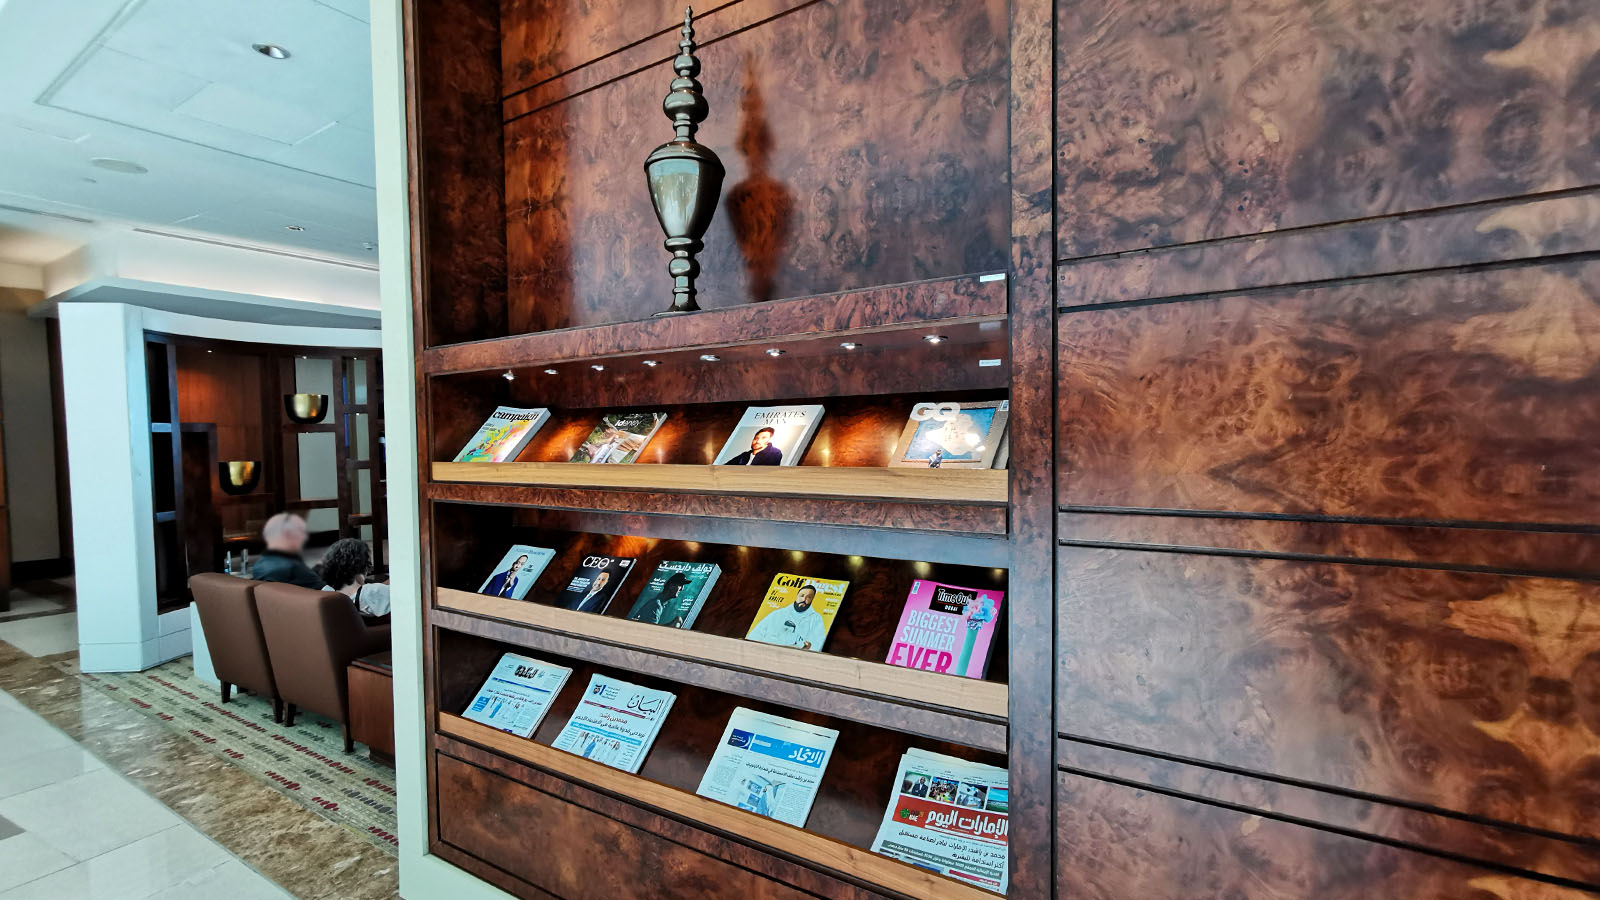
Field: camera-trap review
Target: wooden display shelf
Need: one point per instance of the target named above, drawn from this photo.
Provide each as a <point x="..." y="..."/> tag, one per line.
<point x="854" y="862"/>
<point x="857" y="315"/>
<point x="878" y="483"/>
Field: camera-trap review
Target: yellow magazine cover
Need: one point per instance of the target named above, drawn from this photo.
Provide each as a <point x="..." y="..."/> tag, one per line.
<point x="797" y="611"/>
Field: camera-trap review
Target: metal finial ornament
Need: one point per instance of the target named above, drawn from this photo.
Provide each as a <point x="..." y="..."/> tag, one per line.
<point x="685" y="176"/>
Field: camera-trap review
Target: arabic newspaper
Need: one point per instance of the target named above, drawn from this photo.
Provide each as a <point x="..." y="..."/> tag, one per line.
<point x="769" y="765"/>
<point x="518" y="694"/>
<point x="949" y="815"/>
<point x="615" y="723"/>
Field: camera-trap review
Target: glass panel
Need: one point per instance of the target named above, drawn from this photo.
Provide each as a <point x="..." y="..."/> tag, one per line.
<point x="361" y="492"/>
<point x="319" y="475"/>
<point x="358" y="381"/>
<point x="155" y="373"/>
<point x="313" y="376"/>
<point x="361" y="439"/>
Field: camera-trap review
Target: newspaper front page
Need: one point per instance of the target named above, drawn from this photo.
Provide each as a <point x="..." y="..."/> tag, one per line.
<point x="769" y="765"/>
<point x="949" y="815"/>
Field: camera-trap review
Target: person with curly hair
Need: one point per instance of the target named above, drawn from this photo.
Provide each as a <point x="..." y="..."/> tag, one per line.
<point x="345" y="568"/>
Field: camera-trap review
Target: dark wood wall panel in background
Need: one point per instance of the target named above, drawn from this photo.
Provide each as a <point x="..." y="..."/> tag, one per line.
<point x="1472" y="692"/>
<point x="1463" y="396"/>
<point x="1187" y="121"/>
<point x="865" y="145"/>
<point x="1138" y="843"/>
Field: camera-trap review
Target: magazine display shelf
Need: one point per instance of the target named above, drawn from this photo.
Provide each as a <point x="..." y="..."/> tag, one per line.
<point x="550" y="301"/>
<point x="907" y="880"/>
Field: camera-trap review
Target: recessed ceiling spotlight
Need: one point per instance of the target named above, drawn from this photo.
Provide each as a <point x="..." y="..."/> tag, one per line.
<point x="368" y="245"/>
<point x="933" y="338"/>
<point x="709" y="357"/>
<point x="849" y="345"/>
<point x="111" y="164"/>
<point x="774" y="351"/>
<point x="549" y="371"/>
<point x="295" y="227"/>
<point x="271" y="51"/>
<point x="598" y="368"/>
<point x="652" y="363"/>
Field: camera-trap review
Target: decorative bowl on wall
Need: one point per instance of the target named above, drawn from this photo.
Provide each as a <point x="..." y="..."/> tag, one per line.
<point x="239" y="476"/>
<point x="305" y="409"/>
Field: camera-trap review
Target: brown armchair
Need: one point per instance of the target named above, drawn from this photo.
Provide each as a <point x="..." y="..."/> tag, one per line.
<point x="238" y="647"/>
<point x="312" y="637"/>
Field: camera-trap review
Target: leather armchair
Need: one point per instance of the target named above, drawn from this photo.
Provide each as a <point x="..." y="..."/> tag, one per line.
<point x="312" y="637"/>
<point x="238" y="647"/>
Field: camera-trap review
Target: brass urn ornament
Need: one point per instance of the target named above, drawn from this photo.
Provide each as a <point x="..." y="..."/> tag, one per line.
<point x="685" y="176"/>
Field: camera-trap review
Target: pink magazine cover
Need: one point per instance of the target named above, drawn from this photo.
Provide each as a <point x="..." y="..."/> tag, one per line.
<point x="947" y="629"/>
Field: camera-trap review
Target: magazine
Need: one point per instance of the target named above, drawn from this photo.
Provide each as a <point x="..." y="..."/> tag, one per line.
<point x="615" y="723"/>
<point x="619" y="438"/>
<point x="675" y="594"/>
<point x="517" y="571"/>
<point x="769" y="765"/>
<point x="797" y="611"/>
<point x="1003" y="458"/>
<point x="517" y="694"/>
<point x="949" y="815"/>
<point x="771" y="436"/>
<point x="952" y="435"/>
<point x="595" y="583"/>
<point x="944" y="628"/>
<point x="503" y="436"/>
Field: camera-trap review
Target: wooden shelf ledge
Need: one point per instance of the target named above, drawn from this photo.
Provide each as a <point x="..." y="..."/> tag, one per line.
<point x="971" y="696"/>
<point x="943" y="485"/>
<point x="728" y="820"/>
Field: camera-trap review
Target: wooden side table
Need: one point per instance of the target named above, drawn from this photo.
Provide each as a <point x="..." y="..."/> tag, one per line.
<point x="371" y="680"/>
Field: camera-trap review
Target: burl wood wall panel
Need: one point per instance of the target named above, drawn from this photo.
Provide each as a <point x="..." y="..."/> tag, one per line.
<point x="1452" y="396"/>
<point x="865" y="145"/>
<point x="600" y="858"/>
<point x="1186" y="121"/>
<point x="1135" y="843"/>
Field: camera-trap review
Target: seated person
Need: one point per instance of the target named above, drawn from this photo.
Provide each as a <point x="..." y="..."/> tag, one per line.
<point x="345" y="568"/>
<point x="285" y="534"/>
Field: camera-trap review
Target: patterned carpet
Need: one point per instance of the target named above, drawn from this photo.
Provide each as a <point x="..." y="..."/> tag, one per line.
<point x="306" y="763"/>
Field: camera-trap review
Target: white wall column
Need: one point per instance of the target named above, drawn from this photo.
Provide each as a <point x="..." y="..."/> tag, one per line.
<point x="108" y="453"/>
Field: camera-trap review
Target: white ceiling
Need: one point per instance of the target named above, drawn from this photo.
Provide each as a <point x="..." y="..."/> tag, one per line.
<point x="237" y="145"/>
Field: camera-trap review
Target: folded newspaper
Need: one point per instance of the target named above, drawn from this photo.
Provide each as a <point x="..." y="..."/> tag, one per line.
<point x="769" y="765"/>
<point x="949" y="815"/>
<point x="615" y="723"/>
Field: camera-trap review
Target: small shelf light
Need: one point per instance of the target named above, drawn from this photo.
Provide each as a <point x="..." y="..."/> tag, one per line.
<point x="849" y="345"/>
<point x="933" y="338"/>
<point x="652" y="363"/>
<point x="710" y="357"/>
<point x="598" y="368"/>
<point x="508" y="376"/>
<point x="549" y="371"/>
<point x="270" y="51"/>
<point x="774" y="352"/>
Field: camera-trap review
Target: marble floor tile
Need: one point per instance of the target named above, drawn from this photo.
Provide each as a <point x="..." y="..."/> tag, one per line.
<point x="46" y="767"/>
<point x="233" y="880"/>
<point x="25" y="857"/>
<point x="42" y="636"/>
<point x="133" y="871"/>
<point x="24" y="734"/>
<point x="86" y="816"/>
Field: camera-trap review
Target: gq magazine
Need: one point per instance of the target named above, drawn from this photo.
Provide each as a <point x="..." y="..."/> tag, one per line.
<point x="949" y="815"/>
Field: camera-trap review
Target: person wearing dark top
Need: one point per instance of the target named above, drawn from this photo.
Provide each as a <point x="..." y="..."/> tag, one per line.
<point x="285" y="534"/>
<point x="761" y="452"/>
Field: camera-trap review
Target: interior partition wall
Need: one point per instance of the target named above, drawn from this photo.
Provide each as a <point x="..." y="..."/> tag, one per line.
<point x="1294" y="307"/>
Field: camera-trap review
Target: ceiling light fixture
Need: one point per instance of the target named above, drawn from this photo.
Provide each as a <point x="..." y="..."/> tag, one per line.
<point x="112" y="164"/>
<point x="271" y="51"/>
<point x="295" y="227"/>
<point x="774" y="352"/>
<point x="849" y="345"/>
<point x="709" y="357"/>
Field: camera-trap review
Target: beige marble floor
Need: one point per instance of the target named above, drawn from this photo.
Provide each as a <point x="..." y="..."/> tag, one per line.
<point x="310" y="857"/>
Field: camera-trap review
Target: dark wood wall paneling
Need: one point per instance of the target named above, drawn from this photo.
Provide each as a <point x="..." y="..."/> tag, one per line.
<point x="865" y="145"/>
<point x="1328" y="399"/>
